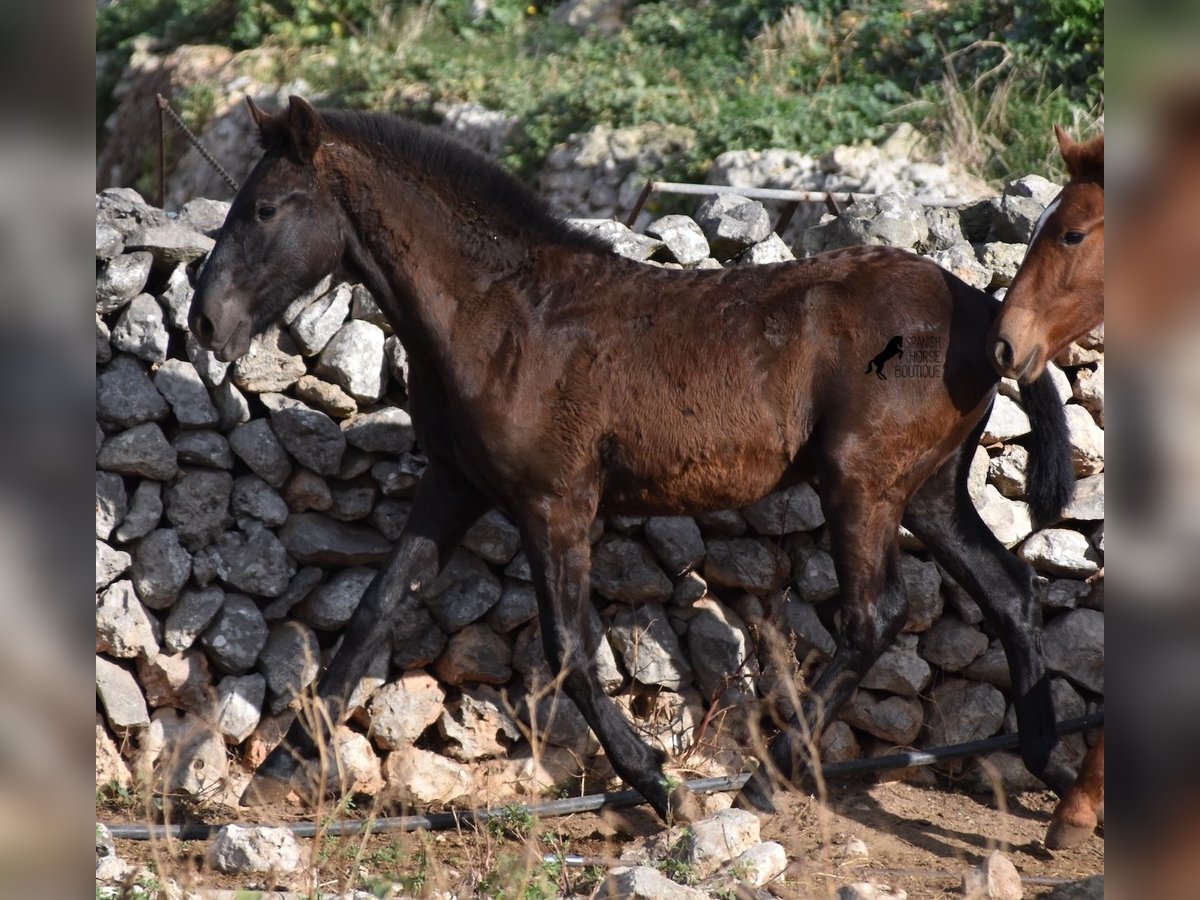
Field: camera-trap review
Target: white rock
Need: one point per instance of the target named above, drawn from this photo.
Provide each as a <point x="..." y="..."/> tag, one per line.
<point x="712" y="842"/>
<point x="995" y="878"/>
<point x="240" y="849"/>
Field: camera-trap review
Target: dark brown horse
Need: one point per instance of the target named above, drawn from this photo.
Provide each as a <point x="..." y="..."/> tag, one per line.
<point x="1057" y="297"/>
<point x="557" y="381"/>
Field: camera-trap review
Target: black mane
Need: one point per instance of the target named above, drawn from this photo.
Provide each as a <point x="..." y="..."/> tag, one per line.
<point x="485" y="181"/>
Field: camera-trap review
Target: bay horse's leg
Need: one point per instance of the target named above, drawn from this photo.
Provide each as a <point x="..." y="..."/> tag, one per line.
<point x="863" y="534"/>
<point x="1082" y="807"/>
<point x="444" y="507"/>
<point x="942" y="515"/>
<point x="556" y="542"/>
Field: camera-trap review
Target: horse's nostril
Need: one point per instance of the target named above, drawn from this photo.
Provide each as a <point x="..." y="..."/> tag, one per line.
<point x="202" y="328"/>
<point x="1003" y="354"/>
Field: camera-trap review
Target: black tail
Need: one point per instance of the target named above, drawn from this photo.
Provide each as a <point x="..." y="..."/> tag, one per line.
<point x="1050" y="478"/>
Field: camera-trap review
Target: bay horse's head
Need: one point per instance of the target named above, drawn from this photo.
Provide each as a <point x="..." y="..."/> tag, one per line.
<point x="284" y="233"/>
<point x="1058" y="294"/>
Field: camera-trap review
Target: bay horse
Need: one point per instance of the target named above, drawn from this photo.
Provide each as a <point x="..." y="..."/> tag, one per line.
<point x="556" y="380"/>
<point x="1056" y="297"/>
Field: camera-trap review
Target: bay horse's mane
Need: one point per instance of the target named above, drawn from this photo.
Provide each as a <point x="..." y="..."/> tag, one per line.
<point x="485" y="182"/>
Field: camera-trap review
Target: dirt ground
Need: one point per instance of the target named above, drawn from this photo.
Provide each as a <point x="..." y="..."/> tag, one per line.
<point x="919" y="837"/>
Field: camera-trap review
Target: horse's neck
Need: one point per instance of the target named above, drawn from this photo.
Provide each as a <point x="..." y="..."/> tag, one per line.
<point x="438" y="273"/>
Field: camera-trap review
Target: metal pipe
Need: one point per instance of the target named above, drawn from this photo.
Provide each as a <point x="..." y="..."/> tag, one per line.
<point x="592" y="802"/>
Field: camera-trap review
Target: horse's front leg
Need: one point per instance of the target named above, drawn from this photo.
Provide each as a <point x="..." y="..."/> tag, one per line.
<point x="555" y="536"/>
<point x="444" y="507"/>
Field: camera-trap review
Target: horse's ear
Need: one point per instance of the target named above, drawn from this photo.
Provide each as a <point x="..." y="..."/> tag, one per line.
<point x="1084" y="161"/>
<point x="304" y="129"/>
<point x="271" y="131"/>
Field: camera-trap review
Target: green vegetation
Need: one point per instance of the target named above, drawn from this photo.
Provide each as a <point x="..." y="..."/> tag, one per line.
<point x="985" y="79"/>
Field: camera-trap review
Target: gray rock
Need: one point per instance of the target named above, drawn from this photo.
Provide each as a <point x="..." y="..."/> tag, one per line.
<point x="231" y="404"/>
<point x="772" y="250"/>
<point x="476" y="726"/>
<point x="714" y="841"/>
<point x="236" y="635"/>
<point x="122" y="279"/>
<point x="744" y="563"/>
<point x="271" y="364"/>
<point x="676" y="541"/>
<point x="141" y="450"/>
<point x="644" y="883"/>
<point x="995" y="878"/>
<point x="255" y="499"/>
<point x="797" y="508"/>
<point x="464" y="591"/>
<point x="923" y="583"/>
<point x="320" y="320"/>
<point x="109" y="242"/>
<point x="387" y="430"/>
<point x="683" y="240"/>
<point x="519" y="568"/>
<point x="389" y="517"/>
<point x="171" y="243"/>
<point x="803" y="622"/>
<point x="723" y="523"/>
<point x="299" y="587"/>
<point x="1087" y="441"/>
<point x="352" y="501"/>
<point x="180" y="680"/>
<point x="952" y="644"/>
<point x="124" y="628"/>
<point x="1090" y="888"/>
<point x="814" y="576"/>
<point x="1002" y="260"/>
<point x="889" y="218"/>
<point x="732" y="223"/>
<point x="307" y="490"/>
<point x="1014" y="217"/>
<point x="894" y="719"/>
<point x="180" y="383"/>
<point x="313" y="438"/>
<point x="961" y="711"/>
<point x="239" y="706"/>
<point x="978" y="475"/>
<point x="399" y="479"/>
<point x="353" y="359"/>
<point x="205" y="216"/>
<point x="161" y="567"/>
<point x="516" y="606"/>
<point x="899" y="670"/>
<point x="1088" y="504"/>
<point x="289" y="662"/>
<point x="992" y="667"/>
<point x="945" y="229"/>
<point x="688" y="589"/>
<point x="257" y="446"/>
<point x="124" y="705"/>
<point x="401" y="710"/>
<point x="330" y="606"/>
<point x="493" y="538"/>
<point x="312" y="538"/>
<point x="103" y="345"/>
<point x="1089" y="391"/>
<point x="204" y="448"/>
<point x="475" y="654"/>
<point x="649" y="647"/>
<point x="1040" y="189"/>
<point x="623" y="241"/>
<point x="1007" y="421"/>
<point x="329" y="398"/>
<point x="141" y="330"/>
<point x="176" y="299"/>
<point x="1059" y="551"/>
<point x="720" y="649"/>
<point x="961" y="260"/>
<point x="254" y="560"/>
<point x="623" y="569"/>
<point x="145" y="512"/>
<point x="1009" y="520"/>
<point x="198" y="505"/>
<point x="1007" y="471"/>
<point x="125" y="395"/>
<point x="397" y="360"/>
<point x="364" y="306"/>
<point x="112" y="503"/>
<point x="190" y="615"/>
<point x="110" y="564"/>
<point x="239" y="850"/>
<point x="1074" y="647"/>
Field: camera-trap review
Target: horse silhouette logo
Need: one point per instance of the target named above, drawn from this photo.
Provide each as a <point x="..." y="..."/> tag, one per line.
<point x="895" y="347"/>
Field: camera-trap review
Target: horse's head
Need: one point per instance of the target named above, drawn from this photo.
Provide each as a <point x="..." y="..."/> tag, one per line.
<point x="1058" y="293"/>
<point x="284" y="233"/>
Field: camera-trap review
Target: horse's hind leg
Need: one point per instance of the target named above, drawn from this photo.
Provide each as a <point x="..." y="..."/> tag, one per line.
<point x="1082" y="807"/>
<point x="556" y="542"/>
<point x="444" y="507"/>
<point x="942" y="515"/>
<point x="863" y="528"/>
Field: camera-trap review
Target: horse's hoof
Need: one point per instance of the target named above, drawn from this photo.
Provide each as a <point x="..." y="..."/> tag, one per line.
<point x="1065" y="836"/>
<point x="757" y="797"/>
<point x="683" y="806"/>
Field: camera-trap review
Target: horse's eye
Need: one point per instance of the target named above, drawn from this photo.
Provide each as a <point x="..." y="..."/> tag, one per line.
<point x="1073" y="237"/>
<point x="265" y="212"/>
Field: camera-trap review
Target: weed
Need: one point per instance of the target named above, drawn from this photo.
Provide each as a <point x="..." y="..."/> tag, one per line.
<point x="514" y="821"/>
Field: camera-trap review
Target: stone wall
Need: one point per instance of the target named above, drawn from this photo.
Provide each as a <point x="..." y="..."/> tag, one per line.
<point x="241" y="511"/>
